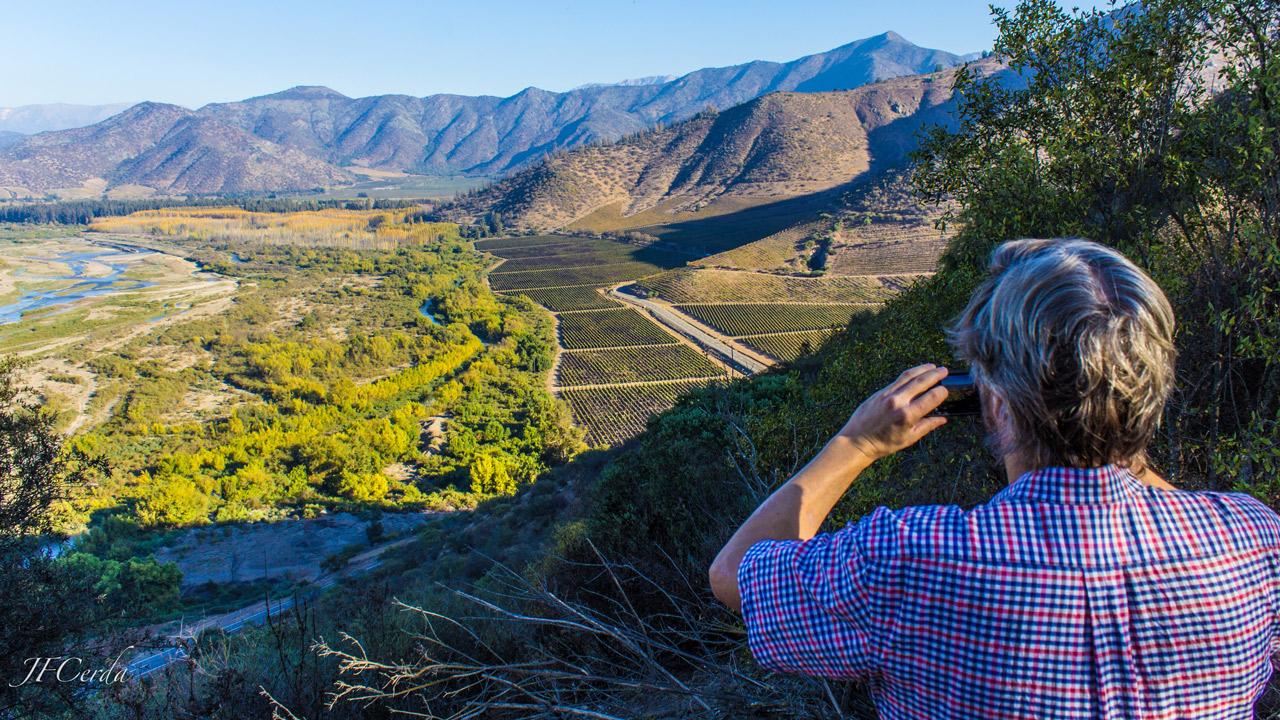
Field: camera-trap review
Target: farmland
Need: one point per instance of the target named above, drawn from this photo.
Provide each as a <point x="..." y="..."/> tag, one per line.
<point x="634" y="364"/>
<point x="616" y="327"/>
<point x="605" y="347"/>
<point x="762" y="302"/>
<point x="737" y="319"/>
<point x="693" y="286"/>
<point x="789" y="345"/>
<point x="563" y="299"/>
<point x="618" y="413"/>
<point x="592" y="274"/>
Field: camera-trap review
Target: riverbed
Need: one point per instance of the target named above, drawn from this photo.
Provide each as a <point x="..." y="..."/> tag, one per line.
<point x="90" y="274"/>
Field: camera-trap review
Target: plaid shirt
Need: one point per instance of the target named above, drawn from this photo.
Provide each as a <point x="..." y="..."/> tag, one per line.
<point x="1073" y="593"/>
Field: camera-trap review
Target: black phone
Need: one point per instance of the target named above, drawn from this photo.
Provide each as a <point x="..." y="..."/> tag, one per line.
<point x="962" y="396"/>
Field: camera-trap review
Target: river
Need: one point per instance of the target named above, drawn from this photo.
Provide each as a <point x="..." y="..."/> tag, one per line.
<point x="83" y="285"/>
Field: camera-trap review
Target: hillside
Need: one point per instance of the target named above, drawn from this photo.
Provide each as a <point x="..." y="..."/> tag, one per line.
<point x="782" y="145"/>
<point x="163" y="147"/>
<point x="437" y="134"/>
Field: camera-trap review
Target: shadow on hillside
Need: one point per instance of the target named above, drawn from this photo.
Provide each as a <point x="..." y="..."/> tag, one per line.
<point x="719" y="233"/>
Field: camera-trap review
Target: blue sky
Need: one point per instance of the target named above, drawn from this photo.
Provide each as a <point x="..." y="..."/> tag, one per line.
<point x="191" y="53"/>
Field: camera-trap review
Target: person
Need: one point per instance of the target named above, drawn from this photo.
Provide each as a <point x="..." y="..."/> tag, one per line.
<point x="1088" y="587"/>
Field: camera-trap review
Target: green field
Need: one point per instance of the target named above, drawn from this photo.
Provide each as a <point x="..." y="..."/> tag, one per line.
<point x="788" y="346"/>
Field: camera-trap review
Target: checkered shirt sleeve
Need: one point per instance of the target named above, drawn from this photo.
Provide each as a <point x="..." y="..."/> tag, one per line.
<point x="819" y="606"/>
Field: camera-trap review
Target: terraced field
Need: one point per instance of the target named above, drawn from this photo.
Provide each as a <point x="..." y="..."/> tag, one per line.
<point x="634" y="364"/>
<point x="614" y="414"/>
<point x="787" y="346"/>
<point x="738" y="319"/>
<point x="615" y="327"/>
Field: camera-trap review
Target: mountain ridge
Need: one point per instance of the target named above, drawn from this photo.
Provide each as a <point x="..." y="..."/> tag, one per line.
<point x="777" y="146"/>
<point x="32" y="119"/>
<point x="441" y="134"/>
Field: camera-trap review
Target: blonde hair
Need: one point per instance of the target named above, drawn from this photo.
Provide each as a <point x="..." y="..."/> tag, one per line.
<point x="1078" y="342"/>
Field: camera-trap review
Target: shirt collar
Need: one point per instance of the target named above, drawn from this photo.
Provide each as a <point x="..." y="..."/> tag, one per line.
<point x="1073" y="486"/>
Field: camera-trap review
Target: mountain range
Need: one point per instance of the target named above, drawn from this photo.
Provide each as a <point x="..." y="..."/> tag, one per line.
<point x="778" y="146"/>
<point x="307" y="136"/>
<point x="31" y="119"/>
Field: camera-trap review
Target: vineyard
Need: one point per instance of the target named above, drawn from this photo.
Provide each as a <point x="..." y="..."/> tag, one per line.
<point x="787" y="346"/>
<point x="737" y="319"/>
<point x="706" y="285"/>
<point x="634" y="364"/>
<point x="617" y="413"/>
<point x="496" y="244"/>
<point x="596" y="275"/>
<point x="774" y="252"/>
<point x="617" y="366"/>
<point x="561" y="299"/>
<point x="887" y="248"/>
<point x="615" y="327"/>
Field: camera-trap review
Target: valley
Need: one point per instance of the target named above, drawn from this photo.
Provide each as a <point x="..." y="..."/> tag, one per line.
<point x="280" y="373"/>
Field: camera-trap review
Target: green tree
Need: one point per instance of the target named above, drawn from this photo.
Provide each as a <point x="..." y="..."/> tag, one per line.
<point x="1157" y="132"/>
<point x="490" y="476"/>
<point x="43" y="603"/>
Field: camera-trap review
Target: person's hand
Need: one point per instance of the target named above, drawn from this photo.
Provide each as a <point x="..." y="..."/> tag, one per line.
<point x="896" y="417"/>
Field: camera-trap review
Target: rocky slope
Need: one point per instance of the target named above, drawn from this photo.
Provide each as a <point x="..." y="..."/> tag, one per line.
<point x="780" y="145"/>
<point x="164" y="147"/>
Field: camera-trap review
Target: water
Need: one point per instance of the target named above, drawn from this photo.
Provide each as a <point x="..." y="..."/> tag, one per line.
<point x="83" y="287"/>
<point x="425" y="309"/>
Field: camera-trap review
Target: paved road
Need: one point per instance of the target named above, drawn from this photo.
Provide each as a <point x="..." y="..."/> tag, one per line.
<point x="725" y="349"/>
<point x="256" y="614"/>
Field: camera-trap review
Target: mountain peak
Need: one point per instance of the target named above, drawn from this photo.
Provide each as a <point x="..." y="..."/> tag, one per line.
<point x="308" y="92"/>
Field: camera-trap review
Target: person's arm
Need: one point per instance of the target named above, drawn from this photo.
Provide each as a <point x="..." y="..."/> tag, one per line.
<point x="888" y="421"/>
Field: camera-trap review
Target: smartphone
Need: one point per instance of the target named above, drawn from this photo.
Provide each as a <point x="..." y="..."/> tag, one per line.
<point x="962" y="396"/>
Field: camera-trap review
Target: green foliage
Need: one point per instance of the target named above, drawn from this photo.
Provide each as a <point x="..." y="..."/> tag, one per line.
<point x="489" y="476"/>
<point x="1121" y="135"/>
<point x="335" y="373"/>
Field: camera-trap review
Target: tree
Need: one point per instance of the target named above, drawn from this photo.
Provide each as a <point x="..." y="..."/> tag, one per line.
<point x="42" y="602"/>
<point x="1158" y="132"/>
<point x="490" y="476"/>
